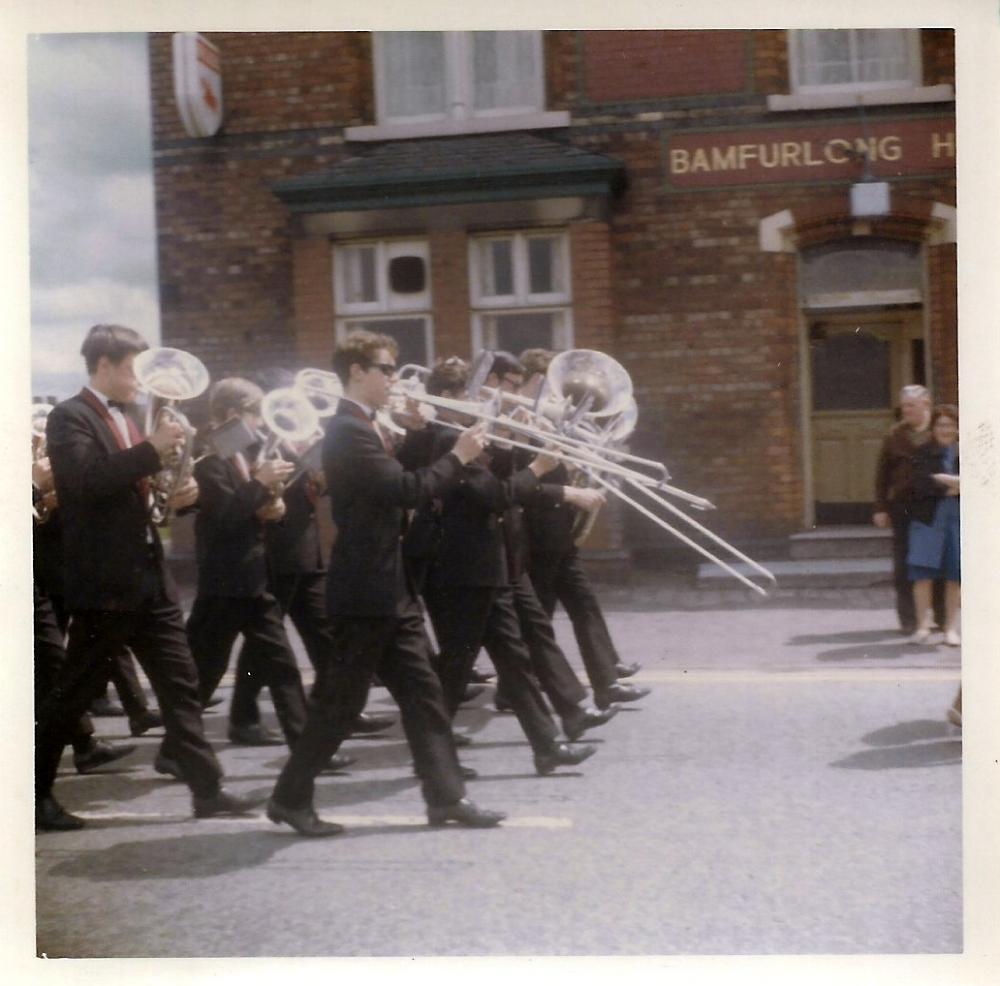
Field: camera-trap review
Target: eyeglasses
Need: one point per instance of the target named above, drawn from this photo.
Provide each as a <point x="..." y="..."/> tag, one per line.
<point x="387" y="369"/>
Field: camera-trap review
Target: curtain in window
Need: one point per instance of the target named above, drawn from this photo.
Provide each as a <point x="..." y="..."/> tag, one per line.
<point x="883" y="56"/>
<point x="505" y="70"/>
<point x="413" y="64"/>
<point x="827" y="58"/>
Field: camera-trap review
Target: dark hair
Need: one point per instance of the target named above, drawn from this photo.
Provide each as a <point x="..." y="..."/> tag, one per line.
<point x="944" y="411"/>
<point x="273" y="377"/>
<point x="504" y="363"/>
<point x="536" y="361"/>
<point x="233" y="394"/>
<point x="451" y="374"/>
<point x="114" y="341"/>
<point x="360" y="347"/>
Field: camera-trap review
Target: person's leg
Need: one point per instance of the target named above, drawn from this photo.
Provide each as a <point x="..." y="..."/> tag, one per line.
<point x="904" y="588"/>
<point x="248" y="682"/>
<point x="922" y="605"/>
<point x="953" y="606"/>
<point x="128" y="686"/>
<point x="212" y="628"/>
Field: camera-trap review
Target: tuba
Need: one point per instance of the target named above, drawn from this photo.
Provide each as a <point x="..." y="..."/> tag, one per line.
<point x="42" y="510"/>
<point x="291" y="417"/>
<point x="168" y="376"/>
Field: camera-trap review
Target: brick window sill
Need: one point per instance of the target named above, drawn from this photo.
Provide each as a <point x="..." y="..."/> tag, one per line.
<point x="871" y="97"/>
<point x="451" y="128"/>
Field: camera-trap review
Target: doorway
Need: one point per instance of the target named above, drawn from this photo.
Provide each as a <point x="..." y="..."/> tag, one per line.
<point x="857" y="363"/>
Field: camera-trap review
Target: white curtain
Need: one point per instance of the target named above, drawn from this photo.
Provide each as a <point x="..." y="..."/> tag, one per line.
<point x="506" y="70"/>
<point x="827" y="58"/>
<point x="413" y="67"/>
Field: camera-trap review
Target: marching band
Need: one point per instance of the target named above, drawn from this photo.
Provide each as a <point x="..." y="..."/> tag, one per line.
<point x="461" y="490"/>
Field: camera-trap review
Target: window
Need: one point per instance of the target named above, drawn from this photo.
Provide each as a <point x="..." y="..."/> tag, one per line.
<point x="854" y="59"/>
<point x="439" y="82"/>
<point x="384" y="286"/>
<point x="851" y="67"/>
<point x="520" y="291"/>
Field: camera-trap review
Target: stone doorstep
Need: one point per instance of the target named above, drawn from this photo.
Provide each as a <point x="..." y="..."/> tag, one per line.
<point x="849" y="541"/>
<point x="848" y="573"/>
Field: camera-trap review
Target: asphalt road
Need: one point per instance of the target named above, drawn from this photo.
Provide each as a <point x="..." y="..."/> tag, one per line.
<point x="789" y="787"/>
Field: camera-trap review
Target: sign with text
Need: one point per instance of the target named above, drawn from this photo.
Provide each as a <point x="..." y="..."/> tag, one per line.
<point x="197" y="83"/>
<point x="823" y="152"/>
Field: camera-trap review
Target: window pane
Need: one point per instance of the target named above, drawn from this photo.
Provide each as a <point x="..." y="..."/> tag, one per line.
<point x="497" y="259"/>
<point x="518" y="331"/>
<point x="850" y="371"/>
<point x="824" y="57"/>
<point x="543" y="266"/>
<point x="858" y="265"/>
<point x="359" y="274"/>
<point x="414" y="73"/>
<point x="408" y="333"/>
<point x="505" y="70"/>
<point x="883" y="56"/>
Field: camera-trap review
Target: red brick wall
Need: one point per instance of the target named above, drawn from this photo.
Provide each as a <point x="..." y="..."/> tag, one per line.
<point x="593" y="296"/>
<point x="626" y="65"/>
<point x="313" y="301"/>
<point x="450" y="293"/>
<point x="942" y="279"/>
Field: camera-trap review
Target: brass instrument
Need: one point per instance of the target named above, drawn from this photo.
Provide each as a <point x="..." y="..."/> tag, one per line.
<point x="168" y="376"/>
<point x="291" y="416"/>
<point x="42" y="510"/>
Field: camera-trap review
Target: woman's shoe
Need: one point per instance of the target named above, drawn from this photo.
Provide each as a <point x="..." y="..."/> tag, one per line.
<point x="921" y="636"/>
<point x="954" y="717"/>
<point x="952" y="639"/>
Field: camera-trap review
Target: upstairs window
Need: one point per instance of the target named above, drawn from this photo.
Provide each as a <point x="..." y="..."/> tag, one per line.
<point x="449" y="82"/>
<point x="822" y="61"/>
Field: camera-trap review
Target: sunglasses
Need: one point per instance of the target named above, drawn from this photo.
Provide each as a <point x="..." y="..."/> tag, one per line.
<point x="387" y="369"/>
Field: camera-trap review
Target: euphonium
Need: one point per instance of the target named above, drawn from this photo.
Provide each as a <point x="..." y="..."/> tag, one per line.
<point x="170" y="375"/>
<point x="291" y="416"/>
<point x="42" y="510"/>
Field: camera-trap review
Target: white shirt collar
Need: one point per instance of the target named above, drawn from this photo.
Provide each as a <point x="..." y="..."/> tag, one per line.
<point x="101" y="397"/>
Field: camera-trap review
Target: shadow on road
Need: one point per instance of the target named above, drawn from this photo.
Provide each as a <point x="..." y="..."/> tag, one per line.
<point x="908" y="732"/>
<point x="844" y="637"/>
<point x="875" y="652"/>
<point x="939" y="753"/>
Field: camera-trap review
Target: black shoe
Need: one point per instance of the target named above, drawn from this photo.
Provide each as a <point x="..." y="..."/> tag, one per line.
<point x="224" y="802"/>
<point x="502" y="705"/>
<point x="99" y="753"/>
<point x="103" y="707"/>
<point x="339" y="761"/>
<point x="473" y="692"/>
<point x="461" y="739"/>
<point x="256" y="735"/>
<point x="144" y="722"/>
<point x="478" y="677"/>
<point x="305" y="821"/>
<point x="627" y="670"/>
<point x="373" y="722"/>
<point x="586" y="719"/>
<point x="213" y="702"/>
<point x="164" y="765"/>
<point x="619" y="693"/>
<point x="563" y="755"/>
<point x="465" y="813"/>
<point x="50" y="816"/>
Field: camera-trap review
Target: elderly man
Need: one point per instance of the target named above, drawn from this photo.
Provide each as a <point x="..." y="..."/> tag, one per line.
<point x="894" y="490"/>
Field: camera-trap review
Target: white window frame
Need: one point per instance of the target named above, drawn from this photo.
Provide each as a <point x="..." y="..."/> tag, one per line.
<point x="857" y="93"/>
<point x="522" y="300"/>
<point x="385" y="307"/>
<point x="461" y="115"/>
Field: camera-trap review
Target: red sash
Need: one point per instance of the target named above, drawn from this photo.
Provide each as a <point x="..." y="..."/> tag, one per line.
<point x="134" y="435"/>
<point x="358" y="412"/>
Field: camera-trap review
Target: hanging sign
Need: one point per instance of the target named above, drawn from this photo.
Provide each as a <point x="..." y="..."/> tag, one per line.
<point x="197" y="83"/>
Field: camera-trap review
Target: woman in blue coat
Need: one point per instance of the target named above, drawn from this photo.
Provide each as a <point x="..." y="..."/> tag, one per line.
<point x="935" y="549"/>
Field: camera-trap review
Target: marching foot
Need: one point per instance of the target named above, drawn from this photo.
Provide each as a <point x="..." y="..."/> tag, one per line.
<point x="465" y="813"/>
<point x="587" y="718"/>
<point x="224" y="802"/>
<point x="305" y="821"/>
<point x="563" y="755"/>
<point x="617" y="694"/>
<point x="50" y="816"/>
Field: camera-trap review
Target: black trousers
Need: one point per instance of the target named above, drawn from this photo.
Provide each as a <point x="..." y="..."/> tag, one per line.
<point x="905" y="607"/>
<point x="397" y="649"/>
<point x="559" y="577"/>
<point x="212" y="628"/>
<point x="123" y="673"/>
<point x="466" y="618"/>
<point x="302" y="597"/>
<point x="155" y="633"/>
<point x="554" y="673"/>
<point x="50" y="656"/>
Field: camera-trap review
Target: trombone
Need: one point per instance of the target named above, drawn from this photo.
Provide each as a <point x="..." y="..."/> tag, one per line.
<point x="587" y="386"/>
<point x="168" y="376"/>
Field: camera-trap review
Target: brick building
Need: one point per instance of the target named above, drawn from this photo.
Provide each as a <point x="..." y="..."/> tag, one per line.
<point x="758" y="224"/>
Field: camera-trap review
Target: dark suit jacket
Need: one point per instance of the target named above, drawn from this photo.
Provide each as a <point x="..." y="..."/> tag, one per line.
<point x="926" y="492"/>
<point x="548" y="520"/>
<point x="102" y="510"/>
<point x="471" y="550"/>
<point x="229" y="539"/>
<point x="293" y="546"/>
<point x="369" y="494"/>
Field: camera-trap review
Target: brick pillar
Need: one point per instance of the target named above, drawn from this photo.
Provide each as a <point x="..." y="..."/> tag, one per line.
<point x="450" y="293"/>
<point x="312" y="285"/>
<point x="942" y="279"/>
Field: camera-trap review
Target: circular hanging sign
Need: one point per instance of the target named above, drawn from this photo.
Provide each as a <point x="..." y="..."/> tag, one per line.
<point x="197" y="83"/>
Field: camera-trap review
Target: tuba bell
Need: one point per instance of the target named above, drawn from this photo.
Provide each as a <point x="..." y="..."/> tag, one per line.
<point x="168" y="376"/>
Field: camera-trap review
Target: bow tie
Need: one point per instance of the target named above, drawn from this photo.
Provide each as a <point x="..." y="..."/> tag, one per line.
<point x="118" y="405"/>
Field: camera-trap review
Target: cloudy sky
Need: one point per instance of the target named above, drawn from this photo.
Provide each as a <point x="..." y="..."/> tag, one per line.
<point x="92" y="228"/>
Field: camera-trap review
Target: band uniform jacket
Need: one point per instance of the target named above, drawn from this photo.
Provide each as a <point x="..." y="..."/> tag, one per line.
<point x="926" y="491"/>
<point x="370" y="492"/>
<point x="229" y="538"/>
<point x="293" y="543"/>
<point x="103" y="510"/>
<point x="471" y="549"/>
